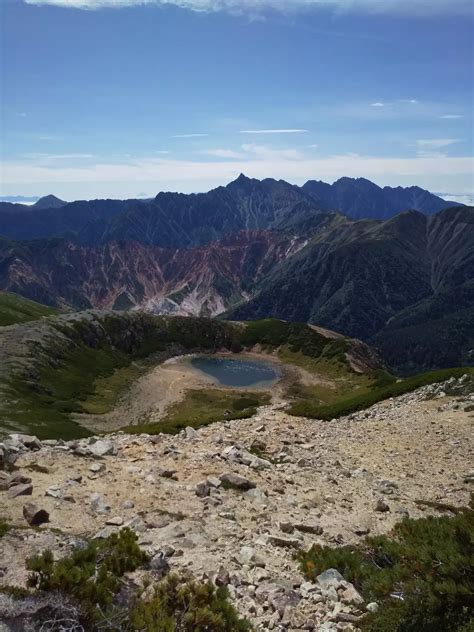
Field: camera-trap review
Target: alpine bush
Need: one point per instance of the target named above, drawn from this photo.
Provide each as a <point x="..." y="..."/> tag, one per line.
<point x="421" y="574"/>
<point x="181" y="604"/>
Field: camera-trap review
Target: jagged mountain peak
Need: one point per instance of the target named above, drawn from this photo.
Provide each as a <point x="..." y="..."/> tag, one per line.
<point x="242" y="178"/>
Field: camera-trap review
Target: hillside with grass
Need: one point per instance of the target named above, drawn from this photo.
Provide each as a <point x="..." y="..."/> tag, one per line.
<point x="16" y="309"/>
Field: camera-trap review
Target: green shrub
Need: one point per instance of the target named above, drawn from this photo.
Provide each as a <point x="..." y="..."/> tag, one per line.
<point x="91" y="578"/>
<point x="422" y="574"/>
<point x="4" y="527"/>
<point x="181" y="604"/>
<point x="90" y="575"/>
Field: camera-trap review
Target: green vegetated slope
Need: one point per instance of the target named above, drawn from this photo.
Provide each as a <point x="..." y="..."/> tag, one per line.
<point x="16" y="309"/>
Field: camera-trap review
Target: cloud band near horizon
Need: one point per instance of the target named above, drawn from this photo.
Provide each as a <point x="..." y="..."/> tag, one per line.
<point x="119" y="180"/>
<point x="409" y="7"/>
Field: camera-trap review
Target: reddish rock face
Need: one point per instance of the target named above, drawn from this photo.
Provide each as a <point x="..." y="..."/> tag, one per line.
<point x="196" y="281"/>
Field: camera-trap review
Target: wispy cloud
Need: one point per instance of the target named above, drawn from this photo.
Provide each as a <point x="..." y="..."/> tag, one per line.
<point x="262" y="152"/>
<point x="44" y="137"/>
<point x="223" y="153"/>
<point x="432" y="147"/>
<point x="436" y="143"/>
<point x="55" y="161"/>
<point x="254" y="7"/>
<point x="273" y="131"/>
<point x="189" y="135"/>
<point x="45" y="156"/>
<point x="451" y="116"/>
<point x="382" y="104"/>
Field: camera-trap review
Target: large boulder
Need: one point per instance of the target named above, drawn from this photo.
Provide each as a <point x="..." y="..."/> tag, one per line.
<point x="24" y="489"/>
<point x="235" y="481"/>
<point x="102" y="447"/>
<point x="29" y="441"/>
<point x="331" y="578"/>
<point x="35" y="515"/>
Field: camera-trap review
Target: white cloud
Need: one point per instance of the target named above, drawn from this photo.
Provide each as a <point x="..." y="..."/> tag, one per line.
<point x="161" y="151"/>
<point x="416" y="7"/>
<point x="189" y="135"/>
<point x="116" y="179"/>
<point x="273" y="131"/>
<point x="378" y="104"/>
<point x="463" y="198"/>
<point x="451" y="116"/>
<point x="313" y="146"/>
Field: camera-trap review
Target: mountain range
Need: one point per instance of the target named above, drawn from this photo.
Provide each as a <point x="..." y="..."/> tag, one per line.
<point x="184" y="220"/>
<point x="257" y="249"/>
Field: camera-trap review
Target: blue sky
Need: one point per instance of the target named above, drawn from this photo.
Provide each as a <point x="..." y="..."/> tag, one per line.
<point x="120" y="98"/>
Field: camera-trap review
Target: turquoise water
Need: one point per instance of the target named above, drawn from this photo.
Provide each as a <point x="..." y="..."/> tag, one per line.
<point x="238" y="373"/>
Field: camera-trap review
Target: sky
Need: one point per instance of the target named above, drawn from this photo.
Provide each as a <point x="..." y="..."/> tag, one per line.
<point x="126" y="98"/>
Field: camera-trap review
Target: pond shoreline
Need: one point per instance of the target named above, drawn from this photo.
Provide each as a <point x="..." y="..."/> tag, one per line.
<point x="241" y="372"/>
<point x="166" y="384"/>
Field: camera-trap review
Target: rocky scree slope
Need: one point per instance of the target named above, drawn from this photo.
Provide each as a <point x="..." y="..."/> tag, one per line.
<point x="235" y="501"/>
